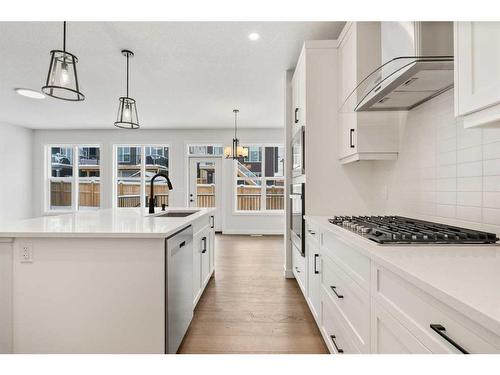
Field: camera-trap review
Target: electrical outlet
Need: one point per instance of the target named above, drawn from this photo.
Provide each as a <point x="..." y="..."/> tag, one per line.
<point x="26" y="253"/>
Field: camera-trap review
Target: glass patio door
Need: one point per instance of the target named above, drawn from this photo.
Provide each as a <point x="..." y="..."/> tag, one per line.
<point x="205" y="186"/>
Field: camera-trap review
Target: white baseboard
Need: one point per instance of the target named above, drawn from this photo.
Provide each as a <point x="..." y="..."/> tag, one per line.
<point x="289" y="274"/>
<point x="252" y="231"/>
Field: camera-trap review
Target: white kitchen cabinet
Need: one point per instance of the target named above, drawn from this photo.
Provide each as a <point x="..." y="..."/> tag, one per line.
<point x="362" y="135"/>
<point x="299" y="269"/>
<point x="477" y="73"/>
<point x="299" y="93"/>
<point x="313" y="274"/>
<point x="203" y="260"/>
<point x="391" y="337"/>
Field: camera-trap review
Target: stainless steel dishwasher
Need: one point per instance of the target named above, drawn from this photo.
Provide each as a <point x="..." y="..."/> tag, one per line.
<point x="178" y="286"/>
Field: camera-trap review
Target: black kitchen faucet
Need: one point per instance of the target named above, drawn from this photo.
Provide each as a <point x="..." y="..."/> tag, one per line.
<point x="151" y="193"/>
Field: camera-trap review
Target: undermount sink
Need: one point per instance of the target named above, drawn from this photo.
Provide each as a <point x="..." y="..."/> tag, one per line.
<point x="176" y="213"/>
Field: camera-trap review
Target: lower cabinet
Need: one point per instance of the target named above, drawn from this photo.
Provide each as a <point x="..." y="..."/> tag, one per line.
<point x="361" y="307"/>
<point x="203" y="260"/>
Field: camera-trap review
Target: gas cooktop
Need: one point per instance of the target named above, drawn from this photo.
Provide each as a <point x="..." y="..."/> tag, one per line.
<point x="403" y="230"/>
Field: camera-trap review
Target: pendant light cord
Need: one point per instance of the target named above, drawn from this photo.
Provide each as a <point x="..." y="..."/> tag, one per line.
<point x="64" y="36"/>
<point x="235" y="115"/>
<point x="127" y="73"/>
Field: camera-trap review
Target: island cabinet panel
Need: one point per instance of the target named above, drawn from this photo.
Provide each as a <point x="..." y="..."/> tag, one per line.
<point x="89" y="295"/>
<point x="203" y="259"/>
<point x="6" y="295"/>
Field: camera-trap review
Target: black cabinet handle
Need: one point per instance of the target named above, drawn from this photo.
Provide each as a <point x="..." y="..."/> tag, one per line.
<point x="334" y="288"/>
<point x="310" y="231"/>
<point x="297" y="269"/>
<point x="441" y="331"/>
<point x="351" y="132"/>
<point x="316" y="263"/>
<point x="332" y="337"/>
<point x="204" y="241"/>
<point x="296" y="119"/>
<point x="182" y="244"/>
<point x="212" y="221"/>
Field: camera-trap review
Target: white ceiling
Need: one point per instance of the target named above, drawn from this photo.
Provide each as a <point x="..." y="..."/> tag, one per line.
<point x="184" y="74"/>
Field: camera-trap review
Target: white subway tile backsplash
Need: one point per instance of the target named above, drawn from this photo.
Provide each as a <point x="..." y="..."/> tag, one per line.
<point x="454" y="172"/>
<point x="469" y="184"/>
<point x="491" y="199"/>
<point x="491" y="183"/>
<point x="470" y="198"/>
<point x="491" y="151"/>
<point x="491" y="167"/>
<point x="473" y="214"/>
<point x="491" y="216"/>
<point x="470" y="169"/>
<point x="469" y="154"/>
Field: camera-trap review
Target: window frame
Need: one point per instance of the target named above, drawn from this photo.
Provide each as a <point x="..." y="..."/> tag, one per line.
<point x="262" y="178"/>
<point x="142" y="146"/>
<point x="74" y="179"/>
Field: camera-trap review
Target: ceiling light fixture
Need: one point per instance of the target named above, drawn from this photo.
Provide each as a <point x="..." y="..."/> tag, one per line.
<point x="253" y="36"/>
<point x="62" y="80"/>
<point x="127" y="110"/>
<point x="30" y="93"/>
<point x="235" y="151"/>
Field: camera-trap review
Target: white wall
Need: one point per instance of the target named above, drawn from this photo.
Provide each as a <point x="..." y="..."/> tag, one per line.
<point x="444" y="172"/>
<point x="16" y="170"/>
<point x="177" y="141"/>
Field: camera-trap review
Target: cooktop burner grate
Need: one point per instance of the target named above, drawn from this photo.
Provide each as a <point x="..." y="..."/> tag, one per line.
<point x="403" y="230"/>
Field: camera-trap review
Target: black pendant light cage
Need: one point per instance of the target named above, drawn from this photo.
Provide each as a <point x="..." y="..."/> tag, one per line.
<point x="62" y="79"/>
<point x="127" y="109"/>
<point x="235" y="152"/>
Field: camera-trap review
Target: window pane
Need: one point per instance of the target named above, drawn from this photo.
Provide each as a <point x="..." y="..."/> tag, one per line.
<point x="60" y="194"/>
<point x="248" y="195"/>
<point x="157" y="162"/>
<point x="275" y="161"/>
<point x="89" y="177"/>
<point x="205" y="184"/>
<point x="61" y="159"/>
<point x="251" y="166"/>
<point x="275" y="194"/>
<point x="129" y="176"/>
<point x="206" y="150"/>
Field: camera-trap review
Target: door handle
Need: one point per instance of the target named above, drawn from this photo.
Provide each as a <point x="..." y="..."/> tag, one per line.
<point x="333" y="337"/>
<point x="334" y="288"/>
<point x="204" y="242"/>
<point x="316" y="263"/>
<point x="441" y="331"/>
<point x="351" y="132"/>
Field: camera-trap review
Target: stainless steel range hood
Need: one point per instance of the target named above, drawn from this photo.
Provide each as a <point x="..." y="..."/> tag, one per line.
<point x="419" y="67"/>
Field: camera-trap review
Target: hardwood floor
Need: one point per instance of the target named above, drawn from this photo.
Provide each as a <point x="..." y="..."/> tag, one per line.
<point x="249" y="307"/>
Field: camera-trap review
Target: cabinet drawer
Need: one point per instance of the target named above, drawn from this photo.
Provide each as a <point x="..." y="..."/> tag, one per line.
<point x="355" y="264"/>
<point x="312" y="230"/>
<point x="299" y="269"/>
<point x="333" y="331"/>
<point x="352" y="301"/>
<point x="417" y="311"/>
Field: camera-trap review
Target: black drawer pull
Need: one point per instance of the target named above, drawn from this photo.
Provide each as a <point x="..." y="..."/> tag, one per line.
<point x="351" y="144"/>
<point x="296" y="119"/>
<point x="316" y="263"/>
<point x="440" y="330"/>
<point x="204" y="241"/>
<point x="297" y="269"/>
<point x="311" y="231"/>
<point x="334" y="288"/>
<point x="335" y="344"/>
<point x="182" y="244"/>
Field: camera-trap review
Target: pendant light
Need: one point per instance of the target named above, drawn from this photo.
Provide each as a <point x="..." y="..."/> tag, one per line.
<point x="127" y="110"/>
<point x="62" y="80"/>
<point x="235" y="151"/>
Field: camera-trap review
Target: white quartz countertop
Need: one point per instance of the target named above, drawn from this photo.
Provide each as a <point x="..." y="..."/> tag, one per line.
<point x="122" y="222"/>
<point x="466" y="277"/>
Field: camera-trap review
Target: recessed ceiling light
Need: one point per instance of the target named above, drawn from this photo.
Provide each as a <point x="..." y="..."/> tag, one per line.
<point x="30" y="93"/>
<point x="253" y="36"/>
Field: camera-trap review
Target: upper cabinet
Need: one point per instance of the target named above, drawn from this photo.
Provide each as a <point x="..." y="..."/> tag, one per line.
<point x="299" y="92"/>
<point x="477" y="72"/>
<point x="362" y="135"/>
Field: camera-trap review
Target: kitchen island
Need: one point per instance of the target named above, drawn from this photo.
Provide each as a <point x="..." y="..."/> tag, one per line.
<point x="106" y="281"/>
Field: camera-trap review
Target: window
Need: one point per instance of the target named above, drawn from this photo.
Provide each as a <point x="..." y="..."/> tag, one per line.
<point x="74" y="182"/>
<point x="204" y="150"/>
<point x="260" y="183"/>
<point x="135" y="166"/>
